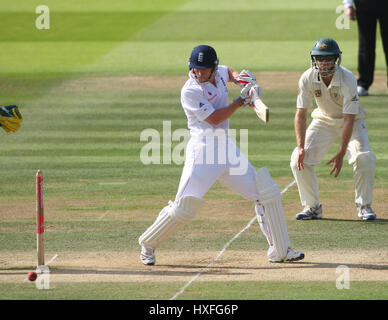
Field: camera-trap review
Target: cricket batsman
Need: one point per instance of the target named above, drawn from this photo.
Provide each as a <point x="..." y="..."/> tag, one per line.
<point x="338" y="114"/>
<point x="209" y="153"/>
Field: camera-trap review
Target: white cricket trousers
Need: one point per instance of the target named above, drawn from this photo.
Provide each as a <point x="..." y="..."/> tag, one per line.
<point x="319" y="137"/>
<point x="209" y="160"/>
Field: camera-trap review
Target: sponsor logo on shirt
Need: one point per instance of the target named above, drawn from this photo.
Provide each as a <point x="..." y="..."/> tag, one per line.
<point x="223" y="81"/>
<point x="318" y="93"/>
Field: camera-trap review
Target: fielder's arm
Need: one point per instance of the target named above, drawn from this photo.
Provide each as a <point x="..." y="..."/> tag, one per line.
<point x="300" y="122"/>
<point x="347" y="131"/>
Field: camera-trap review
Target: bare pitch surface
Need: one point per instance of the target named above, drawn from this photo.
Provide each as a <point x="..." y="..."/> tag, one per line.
<point x="181" y="266"/>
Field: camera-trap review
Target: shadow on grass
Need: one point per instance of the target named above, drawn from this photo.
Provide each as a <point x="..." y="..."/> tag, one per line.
<point x="297" y="265"/>
<point x="378" y="95"/>
<point x="378" y="221"/>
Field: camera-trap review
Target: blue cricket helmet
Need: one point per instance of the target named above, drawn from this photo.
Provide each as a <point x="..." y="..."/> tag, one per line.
<point x="203" y="57"/>
<point x="325" y="47"/>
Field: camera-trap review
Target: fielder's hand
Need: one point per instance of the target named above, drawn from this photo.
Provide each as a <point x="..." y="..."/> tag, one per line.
<point x="337" y="161"/>
<point x="10" y="118"/>
<point x="301" y="155"/>
<point x="245" y="77"/>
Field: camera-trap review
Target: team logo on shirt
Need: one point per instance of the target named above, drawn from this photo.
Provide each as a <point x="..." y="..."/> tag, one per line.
<point x="201" y="104"/>
<point x="318" y="93"/>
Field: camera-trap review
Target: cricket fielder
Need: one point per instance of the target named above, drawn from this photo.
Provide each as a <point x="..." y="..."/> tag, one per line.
<point x="338" y="114"/>
<point x="211" y="155"/>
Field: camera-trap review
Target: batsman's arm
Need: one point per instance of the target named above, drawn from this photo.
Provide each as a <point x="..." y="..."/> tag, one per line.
<point x="220" y="115"/>
<point x="300" y="132"/>
<point x="233" y="74"/>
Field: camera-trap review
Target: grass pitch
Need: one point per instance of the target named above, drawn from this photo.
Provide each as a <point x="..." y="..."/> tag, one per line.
<point x="102" y="74"/>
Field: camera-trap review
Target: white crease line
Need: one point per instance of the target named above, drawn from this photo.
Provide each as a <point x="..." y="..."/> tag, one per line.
<point x="52" y="259"/>
<point x="288" y="187"/>
<point x="223" y="250"/>
<point x="103" y="215"/>
<point x="211" y="264"/>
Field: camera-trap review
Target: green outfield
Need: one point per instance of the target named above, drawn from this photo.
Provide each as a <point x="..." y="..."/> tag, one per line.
<point x="102" y="74"/>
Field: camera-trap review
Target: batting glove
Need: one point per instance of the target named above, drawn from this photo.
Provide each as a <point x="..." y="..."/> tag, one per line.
<point x="246" y="77"/>
<point x="245" y="94"/>
<point x="256" y="91"/>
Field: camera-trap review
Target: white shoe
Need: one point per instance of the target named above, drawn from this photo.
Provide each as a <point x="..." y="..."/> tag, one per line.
<point x="310" y="213"/>
<point x="366" y="212"/>
<point x="291" y="256"/>
<point x="147" y="256"/>
<point x="362" y="91"/>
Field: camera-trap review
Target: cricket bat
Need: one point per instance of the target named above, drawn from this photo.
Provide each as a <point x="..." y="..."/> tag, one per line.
<point x="260" y="108"/>
<point x="262" y="111"/>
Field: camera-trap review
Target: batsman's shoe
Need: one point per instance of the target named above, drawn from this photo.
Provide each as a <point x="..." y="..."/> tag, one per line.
<point x="366" y="212"/>
<point x="310" y="213"/>
<point x="147" y="256"/>
<point x="291" y="256"/>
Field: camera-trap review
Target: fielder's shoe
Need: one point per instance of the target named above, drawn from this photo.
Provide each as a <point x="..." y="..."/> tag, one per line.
<point x="366" y="212"/>
<point x="291" y="256"/>
<point x="310" y="213"/>
<point x="362" y="91"/>
<point x="147" y="256"/>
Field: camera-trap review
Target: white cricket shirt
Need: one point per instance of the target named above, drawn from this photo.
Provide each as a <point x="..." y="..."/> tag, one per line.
<point x="200" y="100"/>
<point x="333" y="101"/>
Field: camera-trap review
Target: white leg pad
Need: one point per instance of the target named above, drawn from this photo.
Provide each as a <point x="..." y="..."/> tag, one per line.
<point x="273" y="220"/>
<point x="171" y="218"/>
<point x="259" y="209"/>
